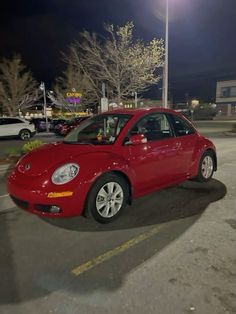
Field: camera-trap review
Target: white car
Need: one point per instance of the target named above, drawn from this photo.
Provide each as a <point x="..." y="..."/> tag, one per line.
<point x="16" y="127"/>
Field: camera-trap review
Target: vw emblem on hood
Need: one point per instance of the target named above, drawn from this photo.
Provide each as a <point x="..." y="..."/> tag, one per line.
<point x="27" y="167"/>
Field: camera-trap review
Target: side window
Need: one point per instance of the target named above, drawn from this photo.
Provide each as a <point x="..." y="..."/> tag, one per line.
<point x="12" y="121"/>
<point x="181" y="126"/>
<point x="16" y="121"/>
<point x="6" y="121"/>
<point x="153" y="126"/>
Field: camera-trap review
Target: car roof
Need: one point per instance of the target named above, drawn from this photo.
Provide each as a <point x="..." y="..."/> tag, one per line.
<point x="16" y="117"/>
<point x="139" y="111"/>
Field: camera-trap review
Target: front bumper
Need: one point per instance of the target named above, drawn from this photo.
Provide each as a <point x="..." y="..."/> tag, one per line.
<point x="39" y="202"/>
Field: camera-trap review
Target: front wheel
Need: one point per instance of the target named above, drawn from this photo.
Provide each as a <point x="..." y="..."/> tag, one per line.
<point x="206" y="167"/>
<point x="107" y="198"/>
<point x="25" y="134"/>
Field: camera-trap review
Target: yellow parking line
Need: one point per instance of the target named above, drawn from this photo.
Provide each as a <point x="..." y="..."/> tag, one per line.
<point x="121" y="248"/>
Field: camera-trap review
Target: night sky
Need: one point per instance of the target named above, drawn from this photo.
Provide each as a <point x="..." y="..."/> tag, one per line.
<point x="202" y="41"/>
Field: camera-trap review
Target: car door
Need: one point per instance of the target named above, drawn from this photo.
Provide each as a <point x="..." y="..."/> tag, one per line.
<point x="6" y="127"/>
<point x="186" y="138"/>
<point x="2" y="127"/>
<point x="14" y="126"/>
<point x="154" y="163"/>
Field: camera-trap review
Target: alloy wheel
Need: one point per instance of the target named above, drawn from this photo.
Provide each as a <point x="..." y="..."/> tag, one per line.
<point x="207" y="167"/>
<point x="109" y="199"/>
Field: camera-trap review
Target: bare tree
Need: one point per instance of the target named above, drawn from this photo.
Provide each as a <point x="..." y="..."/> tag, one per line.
<point x="18" y="89"/>
<point x="73" y="78"/>
<point x="123" y="64"/>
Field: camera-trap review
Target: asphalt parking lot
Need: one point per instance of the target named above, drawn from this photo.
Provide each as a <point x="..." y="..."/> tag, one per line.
<point x="171" y="252"/>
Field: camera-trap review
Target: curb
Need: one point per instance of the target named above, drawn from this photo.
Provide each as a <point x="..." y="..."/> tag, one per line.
<point x="6" y="203"/>
<point x="232" y="134"/>
<point x="44" y="134"/>
<point x="4" y="168"/>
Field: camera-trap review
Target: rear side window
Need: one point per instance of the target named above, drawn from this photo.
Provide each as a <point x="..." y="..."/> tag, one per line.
<point x="181" y="127"/>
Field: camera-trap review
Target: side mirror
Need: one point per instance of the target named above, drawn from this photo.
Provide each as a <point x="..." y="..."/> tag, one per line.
<point x="136" y="139"/>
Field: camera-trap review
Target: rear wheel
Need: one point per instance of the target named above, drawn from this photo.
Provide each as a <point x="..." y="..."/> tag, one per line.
<point x="107" y="198"/>
<point x="206" y="167"/>
<point x="25" y="134"/>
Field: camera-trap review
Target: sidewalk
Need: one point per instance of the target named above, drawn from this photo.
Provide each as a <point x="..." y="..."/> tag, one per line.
<point x="225" y="118"/>
<point x="44" y="134"/>
<point x="5" y="201"/>
<point x="4" y="168"/>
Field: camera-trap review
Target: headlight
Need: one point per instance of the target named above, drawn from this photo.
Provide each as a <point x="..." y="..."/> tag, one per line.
<point x="65" y="173"/>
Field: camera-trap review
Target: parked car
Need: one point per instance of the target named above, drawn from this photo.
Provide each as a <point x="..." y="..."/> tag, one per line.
<point x="56" y="123"/>
<point x="109" y="160"/>
<point x="16" y="127"/>
<point x="57" y="128"/>
<point x="68" y="126"/>
<point x="40" y="124"/>
<point x="204" y="113"/>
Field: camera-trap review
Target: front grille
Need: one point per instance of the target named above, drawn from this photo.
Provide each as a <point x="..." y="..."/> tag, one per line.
<point x="20" y="203"/>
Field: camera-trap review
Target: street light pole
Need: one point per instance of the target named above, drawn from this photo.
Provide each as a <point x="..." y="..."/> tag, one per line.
<point x="136" y="99"/>
<point x="42" y="87"/>
<point x="165" y="72"/>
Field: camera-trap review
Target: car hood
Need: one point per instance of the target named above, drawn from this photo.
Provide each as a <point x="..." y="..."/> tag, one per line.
<point x="51" y="156"/>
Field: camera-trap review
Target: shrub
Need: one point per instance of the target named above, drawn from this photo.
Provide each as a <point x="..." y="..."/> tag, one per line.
<point x="13" y="152"/>
<point x="16" y="152"/>
<point x="30" y="146"/>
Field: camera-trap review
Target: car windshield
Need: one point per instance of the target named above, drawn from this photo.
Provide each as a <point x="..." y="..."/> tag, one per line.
<point x="99" y="130"/>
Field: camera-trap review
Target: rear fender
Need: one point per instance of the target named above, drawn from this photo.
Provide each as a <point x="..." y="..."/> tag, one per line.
<point x="198" y="152"/>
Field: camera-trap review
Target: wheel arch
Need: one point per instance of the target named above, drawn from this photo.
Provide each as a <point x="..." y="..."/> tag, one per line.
<point x="116" y="172"/>
<point x="126" y="178"/>
<point x="212" y="151"/>
<point x="22" y="130"/>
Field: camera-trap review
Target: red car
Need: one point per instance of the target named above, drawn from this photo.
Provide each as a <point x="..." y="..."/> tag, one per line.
<point x="109" y="160"/>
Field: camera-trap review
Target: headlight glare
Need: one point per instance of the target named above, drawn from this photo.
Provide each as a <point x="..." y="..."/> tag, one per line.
<point x="65" y="173"/>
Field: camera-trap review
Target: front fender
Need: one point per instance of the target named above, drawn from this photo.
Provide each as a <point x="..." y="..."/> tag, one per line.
<point x="92" y="166"/>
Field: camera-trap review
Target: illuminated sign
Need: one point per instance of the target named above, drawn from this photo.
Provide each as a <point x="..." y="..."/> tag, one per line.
<point x="73" y="97"/>
<point x="73" y="94"/>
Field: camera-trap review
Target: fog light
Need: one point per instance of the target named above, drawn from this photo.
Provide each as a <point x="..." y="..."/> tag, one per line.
<point x="55" y="209"/>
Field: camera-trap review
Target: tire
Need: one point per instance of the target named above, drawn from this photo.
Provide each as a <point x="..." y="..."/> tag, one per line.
<point x="25" y="134"/>
<point x="206" y="167"/>
<point x="107" y="198"/>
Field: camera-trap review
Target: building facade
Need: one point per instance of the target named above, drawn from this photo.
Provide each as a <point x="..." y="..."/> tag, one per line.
<point x="226" y="97"/>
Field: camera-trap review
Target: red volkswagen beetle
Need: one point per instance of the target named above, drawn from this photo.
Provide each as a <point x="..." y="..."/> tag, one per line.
<point x="109" y="160"/>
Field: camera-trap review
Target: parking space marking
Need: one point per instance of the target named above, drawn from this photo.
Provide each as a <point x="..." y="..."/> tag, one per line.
<point x="5" y="195"/>
<point x="117" y="250"/>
